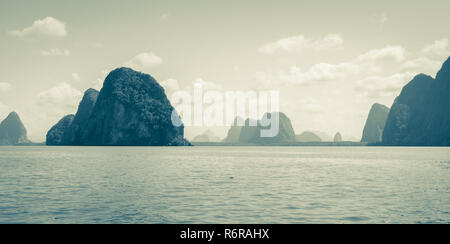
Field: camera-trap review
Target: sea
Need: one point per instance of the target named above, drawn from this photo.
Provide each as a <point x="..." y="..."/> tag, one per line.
<point x="228" y="185"/>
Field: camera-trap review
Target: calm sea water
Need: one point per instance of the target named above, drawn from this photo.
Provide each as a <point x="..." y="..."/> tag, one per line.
<point x="224" y="185"/>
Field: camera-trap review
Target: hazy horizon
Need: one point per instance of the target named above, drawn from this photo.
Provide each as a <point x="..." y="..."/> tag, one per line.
<point x="330" y="60"/>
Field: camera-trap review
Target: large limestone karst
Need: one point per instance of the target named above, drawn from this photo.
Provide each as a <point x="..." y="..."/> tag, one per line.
<point x="12" y="131"/>
<point x="68" y="130"/>
<point x="131" y="109"/>
<point x="420" y="115"/>
<point x="373" y="129"/>
<point x="81" y="118"/>
<point x="56" y="136"/>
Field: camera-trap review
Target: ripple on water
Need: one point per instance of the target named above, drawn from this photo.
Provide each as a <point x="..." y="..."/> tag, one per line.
<point x="224" y="185"/>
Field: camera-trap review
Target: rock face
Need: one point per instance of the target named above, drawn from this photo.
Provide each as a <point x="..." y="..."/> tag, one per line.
<point x="420" y="115"/>
<point x="337" y="137"/>
<point x="207" y="136"/>
<point x="250" y="133"/>
<point x="308" y="136"/>
<point x="130" y="110"/>
<point x="12" y="131"/>
<point x="235" y="131"/>
<point x="286" y="132"/>
<point x="56" y="136"/>
<point x="373" y="129"/>
<point x="68" y="130"/>
<point x="82" y="116"/>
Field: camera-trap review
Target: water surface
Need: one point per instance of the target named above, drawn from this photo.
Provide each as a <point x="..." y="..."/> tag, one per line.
<point x="224" y="185"/>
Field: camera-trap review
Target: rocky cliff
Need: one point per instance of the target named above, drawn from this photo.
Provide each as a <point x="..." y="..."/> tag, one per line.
<point x="420" y="115"/>
<point x="130" y="110"/>
<point x="56" y="136"/>
<point x="373" y="129"/>
<point x="68" y="130"/>
<point x="235" y="131"/>
<point x="81" y="118"/>
<point x="12" y="131"/>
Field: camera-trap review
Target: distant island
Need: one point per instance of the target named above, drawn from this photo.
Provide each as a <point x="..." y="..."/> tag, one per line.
<point x="307" y="136"/>
<point x="12" y="131"/>
<point x="420" y="116"/>
<point x="131" y="109"/>
<point x="248" y="135"/>
<point x="207" y="136"/>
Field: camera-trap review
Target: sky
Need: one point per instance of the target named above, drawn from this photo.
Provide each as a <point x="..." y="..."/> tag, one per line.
<point x="330" y="60"/>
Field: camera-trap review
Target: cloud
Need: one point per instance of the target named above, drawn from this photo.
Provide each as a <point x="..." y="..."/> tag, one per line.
<point x="377" y="73"/>
<point x="47" y="27"/>
<point x="170" y="85"/>
<point x="144" y="60"/>
<point x="61" y="97"/>
<point x="300" y="43"/>
<point x="310" y="105"/>
<point x="206" y="85"/>
<point x="76" y="77"/>
<point x="55" y="52"/>
<point x="386" y="54"/>
<point x="380" y="19"/>
<point x="48" y="107"/>
<point x="320" y="72"/>
<point x="4" y="86"/>
<point x="438" y="49"/>
<point x="165" y="16"/>
<point x="379" y="86"/>
<point x="4" y="110"/>
<point x="98" y="83"/>
<point x="422" y="65"/>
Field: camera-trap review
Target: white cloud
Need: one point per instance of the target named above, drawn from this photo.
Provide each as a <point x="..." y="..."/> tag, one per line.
<point x="438" y="49"/>
<point x="4" y="110"/>
<point x="317" y="73"/>
<point x="165" y="16"/>
<point x="380" y="19"/>
<point x="386" y="54"/>
<point x="48" y="107"/>
<point x="376" y="75"/>
<point x="4" y="86"/>
<point x="310" y="105"/>
<point x="422" y="65"/>
<point x="376" y="87"/>
<point x="62" y="96"/>
<point x="206" y="85"/>
<point x="76" y="77"/>
<point x="170" y="85"/>
<point x="47" y="27"/>
<point x="98" y="83"/>
<point x="328" y="42"/>
<point x="300" y="43"/>
<point x="370" y="63"/>
<point x="144" y="60"/>
<point x="55" y="52"/>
